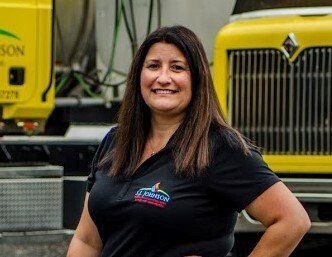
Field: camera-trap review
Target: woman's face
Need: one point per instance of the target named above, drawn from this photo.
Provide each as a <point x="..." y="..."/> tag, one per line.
<point x="166" y="80"/>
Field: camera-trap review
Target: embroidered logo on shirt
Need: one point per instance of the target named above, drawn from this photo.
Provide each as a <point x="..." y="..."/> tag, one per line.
<point x="153" y="195"/>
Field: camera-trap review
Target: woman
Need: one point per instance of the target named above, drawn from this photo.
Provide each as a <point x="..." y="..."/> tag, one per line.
<point x="171" y="178"/>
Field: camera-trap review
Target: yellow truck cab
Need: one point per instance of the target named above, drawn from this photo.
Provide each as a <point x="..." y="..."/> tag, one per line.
<point x="273" y="77"/>
<point x="26" y="61"/>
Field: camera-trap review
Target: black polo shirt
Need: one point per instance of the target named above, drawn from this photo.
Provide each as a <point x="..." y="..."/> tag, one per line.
<point x="156" y="213"/>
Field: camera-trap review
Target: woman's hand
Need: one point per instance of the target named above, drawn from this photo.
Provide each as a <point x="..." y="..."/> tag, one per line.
<point x="86" y="241"/>
<point x="285" y="219"/>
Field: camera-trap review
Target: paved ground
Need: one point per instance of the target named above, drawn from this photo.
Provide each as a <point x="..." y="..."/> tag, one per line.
<point x="20" y="248"/>
<point x="56" y="246"/>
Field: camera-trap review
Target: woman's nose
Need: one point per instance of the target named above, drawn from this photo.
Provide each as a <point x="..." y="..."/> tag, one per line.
<point x="164" y="77"/>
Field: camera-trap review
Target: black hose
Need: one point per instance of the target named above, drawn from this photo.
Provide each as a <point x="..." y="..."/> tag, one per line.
<point x="148" y="30"/>
<point x="133" y="23"/>
<point x="95" y="81"/>
<point x="60" y="37"/>
<point x="159" y="12"/>
<point x="80" y="32"/>
<point x="86" y="36"/>
<point x="129" y="33"/>
<point x="116" y="23"/>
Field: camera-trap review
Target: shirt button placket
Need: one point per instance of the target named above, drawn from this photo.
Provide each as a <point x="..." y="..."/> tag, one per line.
<point x="124" y="189"/>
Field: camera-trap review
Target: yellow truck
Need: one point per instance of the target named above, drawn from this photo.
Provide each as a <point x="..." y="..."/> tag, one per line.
<point x="273" y="76"/>
<point x="26" y="63"/>
<point x="41" y="191"/>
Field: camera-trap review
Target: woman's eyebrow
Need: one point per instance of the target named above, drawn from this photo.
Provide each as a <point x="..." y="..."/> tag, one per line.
<point x="171" y="61"/>
<point x="179" y="60"/>
<point x="152" y="60"/>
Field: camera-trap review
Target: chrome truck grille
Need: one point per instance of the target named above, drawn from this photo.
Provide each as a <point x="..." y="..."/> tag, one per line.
<point x="284" y="107"/>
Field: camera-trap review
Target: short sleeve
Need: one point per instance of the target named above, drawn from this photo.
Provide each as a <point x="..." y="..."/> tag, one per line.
<point x="102" y="149"/>
<point x="238" y="179"/>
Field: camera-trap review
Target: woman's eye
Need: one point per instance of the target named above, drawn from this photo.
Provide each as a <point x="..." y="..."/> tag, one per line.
<point x="152" y="66"/>
<point x="177" y="68"/>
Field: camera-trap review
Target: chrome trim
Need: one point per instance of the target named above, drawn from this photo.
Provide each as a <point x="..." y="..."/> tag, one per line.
<point x="254" y="95"/>
<point x="30" y="180"/>
<point x="308" y="197"/>
<point x="304" y="106"/>
<point x="84" y="101"/>
<point x="309" y="186"/>
<point x="237" y="85"/>
<point x="230" y="86"/>
<point x="316" y="113"/>
<point x="297" y="103"/>
<point x="266" y="97"/>
<point x="284" y="95"/>
<point x="24" y="172"/>
<point x="248" y="81"/>
<point x="38" y="233"/>
<point x="243" y="87"/>
<point x="329" y="80"/>
<point x="307" y="190"/>
<point x="260" y="99"/>
<point x="291" y="113"/>
<point x="308" y="180"/>
<point x="75" y="178"/>
<point x="284" y="107"/>
<point x="75" y="135"/>
<point x="278" y="134"/>
<point x="303" y="11"/>
<point x="32" y="236"/>
<point x="292" y="37"/>
<point x="322" y="102"/>
<point x="272" y="96"/>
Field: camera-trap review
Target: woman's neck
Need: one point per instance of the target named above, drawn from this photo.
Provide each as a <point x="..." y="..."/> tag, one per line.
<point x="163" y="127"/>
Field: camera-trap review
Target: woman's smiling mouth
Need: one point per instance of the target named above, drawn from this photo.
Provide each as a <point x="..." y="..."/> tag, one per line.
<point x="164" y="91"/>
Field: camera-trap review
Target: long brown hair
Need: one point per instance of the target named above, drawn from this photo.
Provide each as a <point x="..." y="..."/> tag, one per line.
<point x="191" y="151"/>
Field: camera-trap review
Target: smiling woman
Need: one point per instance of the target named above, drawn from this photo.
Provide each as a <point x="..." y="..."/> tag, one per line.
<point x="170" y="179"/>
<point x="166" y="80"/>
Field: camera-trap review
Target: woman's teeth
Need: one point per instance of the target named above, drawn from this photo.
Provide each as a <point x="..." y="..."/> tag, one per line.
<point x="164" y="91"/>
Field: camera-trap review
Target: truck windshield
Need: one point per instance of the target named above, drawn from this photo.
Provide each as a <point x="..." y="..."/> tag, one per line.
<point x="242" y="6"/>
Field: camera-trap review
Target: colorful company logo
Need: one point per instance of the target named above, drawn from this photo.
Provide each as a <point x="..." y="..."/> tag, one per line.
<point x="8" y="34"/>
<point x="154" y="196"/>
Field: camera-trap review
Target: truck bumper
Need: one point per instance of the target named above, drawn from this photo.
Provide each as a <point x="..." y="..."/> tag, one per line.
<point x="315" y="196"/>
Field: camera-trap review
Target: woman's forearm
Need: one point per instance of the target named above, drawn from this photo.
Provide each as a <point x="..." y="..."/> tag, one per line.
<point x="280" y="239"/>
<point x="78" y="248"/>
